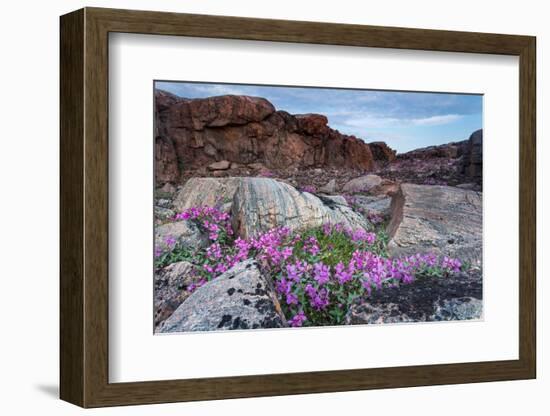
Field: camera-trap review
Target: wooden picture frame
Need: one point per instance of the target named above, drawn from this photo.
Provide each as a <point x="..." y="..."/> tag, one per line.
<point x="84" y="207"/>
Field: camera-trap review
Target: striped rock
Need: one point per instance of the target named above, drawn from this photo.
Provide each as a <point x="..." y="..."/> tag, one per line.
<point x="206" y="192"/>
<point x="262" y="203"/>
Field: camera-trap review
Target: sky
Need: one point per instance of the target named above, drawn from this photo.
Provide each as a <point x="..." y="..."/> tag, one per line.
<point x="404" y="120"/>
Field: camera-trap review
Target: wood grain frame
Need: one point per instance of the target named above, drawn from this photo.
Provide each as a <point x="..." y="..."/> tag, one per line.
<point x="84" y="207"/>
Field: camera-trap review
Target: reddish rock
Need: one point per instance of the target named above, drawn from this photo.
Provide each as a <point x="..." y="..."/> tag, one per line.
<point x="244" y="130"/>
<point x="312" y="124"/>
<point x="382" y="152"/>
<point x="166" y="163"/>
<point x="228" y="109"/>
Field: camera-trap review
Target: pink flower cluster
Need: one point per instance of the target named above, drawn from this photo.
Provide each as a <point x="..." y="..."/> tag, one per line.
<point x="356" y="235"/>
<point x="210" y="219"/>
<point x="310" y="289"/>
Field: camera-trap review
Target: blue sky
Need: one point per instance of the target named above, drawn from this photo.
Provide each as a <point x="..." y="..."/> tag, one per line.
<point x="404" y="120"/>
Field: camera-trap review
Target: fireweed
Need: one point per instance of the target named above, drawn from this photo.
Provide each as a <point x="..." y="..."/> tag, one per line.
<point x="317" y="274"/>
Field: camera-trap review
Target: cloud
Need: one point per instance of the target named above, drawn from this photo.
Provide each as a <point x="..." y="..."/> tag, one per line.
<point x="373" y="121"/>
<point x="436" y="120"/>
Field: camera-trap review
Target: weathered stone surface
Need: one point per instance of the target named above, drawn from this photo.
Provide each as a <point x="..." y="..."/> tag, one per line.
<point x="241" y="298"/>
<point x="206" y="192"/>
<point x="439" y="219"/>
<point x="221" y="165"/>
<point x="184" y="233"/>
<point x="261" y="204"/>
<point x="329" y="188"/>
<point x="427" y="299"/>
<point x="192" y="134"/>
<point x="171" y="288"/>
<point x="362" y="183"/>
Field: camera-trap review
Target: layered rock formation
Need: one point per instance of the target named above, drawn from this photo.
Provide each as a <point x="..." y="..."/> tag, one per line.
<point x="194" y="133"/>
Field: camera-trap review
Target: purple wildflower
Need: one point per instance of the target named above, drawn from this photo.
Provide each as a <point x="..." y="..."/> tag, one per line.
<point x="298" y="319"/>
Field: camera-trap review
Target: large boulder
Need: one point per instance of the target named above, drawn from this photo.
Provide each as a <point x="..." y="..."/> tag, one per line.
<point x="171" y="284"/>
<point x="457" y="297"/>
<point x="261" y="204"/>
<point x="439" y="219"/>
<point x="241" y="298"/>
<point x="206" y="192"/>
<point x="363" y="183"/>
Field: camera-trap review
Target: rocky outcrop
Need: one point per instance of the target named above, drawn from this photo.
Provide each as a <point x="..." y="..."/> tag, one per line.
<point x="437" y="219"/>
<point x="452" y="164"/>
<point x="241" y="298"/>
<point x="171" y="284"/>
<point x="261" y="204"/>
<point x="382" y="152"/>
<point x="194" y="133"/>
<point x="457" y="297"/>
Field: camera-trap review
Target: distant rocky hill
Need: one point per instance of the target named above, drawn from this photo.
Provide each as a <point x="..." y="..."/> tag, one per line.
<point x="192" y="134"/>
<point x="456" y="163"/>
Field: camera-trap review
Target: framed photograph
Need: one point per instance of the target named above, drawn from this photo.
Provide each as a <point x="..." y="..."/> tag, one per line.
<point x="255" y="207"/>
